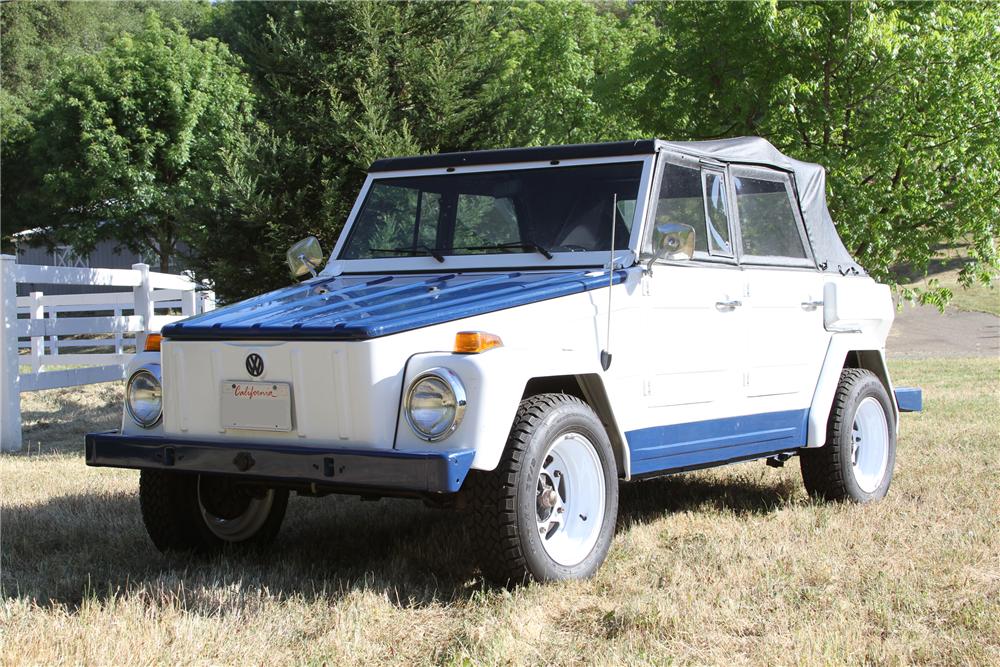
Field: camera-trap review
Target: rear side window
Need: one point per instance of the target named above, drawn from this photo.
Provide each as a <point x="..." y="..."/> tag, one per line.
<point x="768" y="225"/>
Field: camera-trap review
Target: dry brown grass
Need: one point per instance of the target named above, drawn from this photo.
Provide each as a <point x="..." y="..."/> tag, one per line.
<point x="734" y="565"/>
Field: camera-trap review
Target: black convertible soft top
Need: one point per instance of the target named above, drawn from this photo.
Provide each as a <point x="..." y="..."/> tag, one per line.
<point x="810" y="178"/>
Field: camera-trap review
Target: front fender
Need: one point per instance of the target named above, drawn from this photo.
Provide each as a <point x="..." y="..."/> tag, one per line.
<point x="494" y="383"/>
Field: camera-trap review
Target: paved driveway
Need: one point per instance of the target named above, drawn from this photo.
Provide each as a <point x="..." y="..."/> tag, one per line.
<point x="923" y="331"/>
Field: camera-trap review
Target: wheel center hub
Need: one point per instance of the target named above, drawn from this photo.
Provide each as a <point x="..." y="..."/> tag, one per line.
<point x="547" y="498"/>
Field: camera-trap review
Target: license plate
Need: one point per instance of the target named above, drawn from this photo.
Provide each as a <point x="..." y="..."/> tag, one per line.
<point x="258" y="406"/>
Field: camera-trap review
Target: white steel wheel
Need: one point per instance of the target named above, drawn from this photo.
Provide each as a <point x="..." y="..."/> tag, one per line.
<point x="548" y="510"/>
<point x="870" y="444"/>
<point x="570" y="499"/>
<point x="242" y="516"/>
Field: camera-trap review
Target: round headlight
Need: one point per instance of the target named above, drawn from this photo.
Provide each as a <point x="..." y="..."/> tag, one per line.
<point x="144" y="398"/>
<point x="435" y="404"/>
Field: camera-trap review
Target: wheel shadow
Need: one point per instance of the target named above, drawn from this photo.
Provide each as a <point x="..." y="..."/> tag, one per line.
<point x="81" y="547"/>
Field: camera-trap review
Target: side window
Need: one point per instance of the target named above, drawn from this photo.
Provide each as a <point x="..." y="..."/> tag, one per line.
<point x="680" y="201"/>
<point x="717" y="213"/>
<point x="768" y="226"/>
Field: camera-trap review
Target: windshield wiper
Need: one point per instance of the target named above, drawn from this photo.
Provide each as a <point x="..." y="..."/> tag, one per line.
<point x="526" y="245"/>
<point x="415" y="250"/>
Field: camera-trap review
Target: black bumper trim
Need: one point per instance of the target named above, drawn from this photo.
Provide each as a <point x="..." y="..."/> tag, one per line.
<point x="441" y="471"/>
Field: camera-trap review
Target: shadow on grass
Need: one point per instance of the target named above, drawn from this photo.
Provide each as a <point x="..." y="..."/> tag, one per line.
<point x="94" y="547"/>
<point x="55" y="421"/>
<point x="645" y="501"/>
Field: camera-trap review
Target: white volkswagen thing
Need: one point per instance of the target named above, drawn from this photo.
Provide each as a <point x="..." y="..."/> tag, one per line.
<point x="513" y="333"/>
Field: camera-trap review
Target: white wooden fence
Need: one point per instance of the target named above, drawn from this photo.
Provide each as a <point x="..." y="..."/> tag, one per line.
<point x="94" y="334"/>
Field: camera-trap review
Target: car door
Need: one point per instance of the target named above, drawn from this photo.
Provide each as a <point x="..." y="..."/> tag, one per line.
<point x="784" y="338"/>
<point x="691" y="377"/>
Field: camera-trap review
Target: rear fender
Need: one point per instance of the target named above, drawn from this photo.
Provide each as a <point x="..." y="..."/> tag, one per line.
<point x="846" y="350"/>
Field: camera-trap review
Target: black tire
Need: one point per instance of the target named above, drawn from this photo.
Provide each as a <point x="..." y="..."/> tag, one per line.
<point x="829" y="472"/>
<point x="172" y="512"/>
<point x="504" y="511"/>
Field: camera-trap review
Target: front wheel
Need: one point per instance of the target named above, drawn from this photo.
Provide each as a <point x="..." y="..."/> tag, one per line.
<point x="548" y="511"/>
<point x="857" y="460"/>
<point x="203" y="513"/>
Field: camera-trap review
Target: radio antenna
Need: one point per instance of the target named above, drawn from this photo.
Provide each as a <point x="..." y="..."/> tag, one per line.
<point x="606" y="352"/>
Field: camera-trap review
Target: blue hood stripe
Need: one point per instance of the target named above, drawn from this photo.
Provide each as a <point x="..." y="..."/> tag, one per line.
<point x="361" y="307"/>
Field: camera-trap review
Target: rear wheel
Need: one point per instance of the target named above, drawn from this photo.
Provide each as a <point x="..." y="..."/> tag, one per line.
<point x="548" y="511"/>
<point x="857" y="461"/>
<point x="205" y="513"/>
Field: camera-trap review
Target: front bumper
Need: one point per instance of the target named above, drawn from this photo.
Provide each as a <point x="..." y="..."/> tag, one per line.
<point x="437" y="471"/>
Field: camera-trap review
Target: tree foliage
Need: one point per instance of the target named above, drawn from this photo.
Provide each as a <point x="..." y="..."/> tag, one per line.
<point x="898" y="100"/>
<point x="131" y="143"/>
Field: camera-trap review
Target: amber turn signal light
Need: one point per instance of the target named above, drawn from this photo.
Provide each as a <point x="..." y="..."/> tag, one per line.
<point x="152" y="343"/>
<point x="474" y="342"/>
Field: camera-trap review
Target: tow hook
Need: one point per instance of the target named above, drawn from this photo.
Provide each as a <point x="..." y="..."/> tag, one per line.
<point x="243" y="461"/>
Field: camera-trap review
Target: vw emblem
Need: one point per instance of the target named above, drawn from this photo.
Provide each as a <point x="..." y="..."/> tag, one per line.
<point x="255" y="365"/>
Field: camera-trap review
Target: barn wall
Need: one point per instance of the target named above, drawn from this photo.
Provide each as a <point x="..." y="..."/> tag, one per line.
<point x="104" y="256"/>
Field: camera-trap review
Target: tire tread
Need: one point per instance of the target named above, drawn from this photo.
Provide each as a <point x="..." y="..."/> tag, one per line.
<point x="823" y="471"/>
<point x="494" y="495"/>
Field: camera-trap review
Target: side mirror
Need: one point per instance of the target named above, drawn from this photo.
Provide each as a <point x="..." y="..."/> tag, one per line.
<point x="672" y="241"/>
<point x="305" y="257"/>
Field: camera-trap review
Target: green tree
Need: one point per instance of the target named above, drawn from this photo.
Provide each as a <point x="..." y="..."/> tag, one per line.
<point x="340" y="85"/>
<point x="566" y="72"/>
<point x="35" y="37"/>
<point x="132" y="143"/>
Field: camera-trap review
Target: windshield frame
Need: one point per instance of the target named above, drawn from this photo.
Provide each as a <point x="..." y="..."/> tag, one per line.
<point x="498" y="260"/>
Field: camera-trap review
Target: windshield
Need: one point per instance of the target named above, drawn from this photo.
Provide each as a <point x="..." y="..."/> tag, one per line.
<point x="547" y="210"/>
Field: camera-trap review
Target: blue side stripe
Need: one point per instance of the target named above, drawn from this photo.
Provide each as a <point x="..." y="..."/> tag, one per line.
<point x="694" y="444"/>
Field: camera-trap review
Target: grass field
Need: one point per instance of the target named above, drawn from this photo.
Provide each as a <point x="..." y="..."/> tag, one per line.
<point x="729" y="566"/>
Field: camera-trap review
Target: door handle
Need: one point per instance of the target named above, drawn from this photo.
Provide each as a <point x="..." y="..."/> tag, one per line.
<point x="728" y="306"/>
<point x="811" y="305"/>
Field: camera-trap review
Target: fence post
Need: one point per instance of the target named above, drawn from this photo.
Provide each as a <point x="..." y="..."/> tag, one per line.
<point x="119" y="348"/>
<point x="53" y="339"/>
<point x="207" y="301"/>
<point x="36" y="311"/>
<point x="143" y="299"/>
<point x="10" y="386"/>
<point x="188" y="303"/>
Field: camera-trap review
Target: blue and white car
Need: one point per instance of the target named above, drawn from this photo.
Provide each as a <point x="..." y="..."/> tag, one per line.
<point x="513" y="333"/>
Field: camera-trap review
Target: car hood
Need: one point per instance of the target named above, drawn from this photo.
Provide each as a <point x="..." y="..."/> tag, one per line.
<point x="357" y="307"/>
